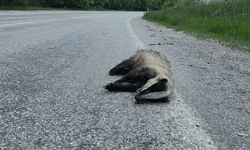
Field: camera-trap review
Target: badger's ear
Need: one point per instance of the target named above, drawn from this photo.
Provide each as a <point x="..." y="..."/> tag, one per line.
<point x="165" y="80"/>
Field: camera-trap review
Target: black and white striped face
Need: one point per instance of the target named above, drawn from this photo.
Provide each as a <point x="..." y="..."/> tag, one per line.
<point x="156" y="89"/>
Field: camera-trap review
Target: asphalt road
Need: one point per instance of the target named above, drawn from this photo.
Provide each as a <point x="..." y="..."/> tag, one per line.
<point x="53" y="65"/>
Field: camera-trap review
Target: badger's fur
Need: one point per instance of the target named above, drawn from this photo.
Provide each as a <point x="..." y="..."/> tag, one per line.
<point x="146" y="73"/>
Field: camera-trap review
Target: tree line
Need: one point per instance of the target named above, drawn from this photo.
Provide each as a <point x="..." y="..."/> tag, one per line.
<point x="135" y="5"/>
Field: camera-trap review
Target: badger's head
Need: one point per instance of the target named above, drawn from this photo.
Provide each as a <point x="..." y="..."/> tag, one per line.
<point x="155" y="89"/>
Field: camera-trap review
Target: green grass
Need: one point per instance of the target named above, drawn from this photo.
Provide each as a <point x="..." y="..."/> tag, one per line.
<point x="228" y="22"/>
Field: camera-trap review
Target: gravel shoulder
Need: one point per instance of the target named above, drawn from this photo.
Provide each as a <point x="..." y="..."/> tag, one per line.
<point x="212" y="79"/>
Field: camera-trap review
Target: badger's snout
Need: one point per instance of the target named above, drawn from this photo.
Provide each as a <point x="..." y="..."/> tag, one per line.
<point x="157" y="87"/>
<point x="153" y="91"/>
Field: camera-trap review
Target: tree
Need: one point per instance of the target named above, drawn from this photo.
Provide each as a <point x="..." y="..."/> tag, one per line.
<point x="141" y="5"/>
<point x="2" y="3"/>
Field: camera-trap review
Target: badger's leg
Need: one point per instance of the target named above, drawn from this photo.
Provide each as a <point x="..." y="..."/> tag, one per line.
<point x="122" y="87"/>
<point x="122" y="68"/>
<point x="129" y="83"/>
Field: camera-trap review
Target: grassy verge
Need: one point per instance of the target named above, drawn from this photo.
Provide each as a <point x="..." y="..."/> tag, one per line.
<point x="228" y="22"/>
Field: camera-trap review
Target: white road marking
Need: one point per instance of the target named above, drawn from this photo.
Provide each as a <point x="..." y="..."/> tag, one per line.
<point x="134" y="38"/>
<point x="33" y="22"/>
<point x="48" y="20"/>
<point x="189" y="124"/>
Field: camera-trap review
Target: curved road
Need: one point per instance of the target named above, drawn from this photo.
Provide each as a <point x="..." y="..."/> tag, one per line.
<point x="54" y="65"/>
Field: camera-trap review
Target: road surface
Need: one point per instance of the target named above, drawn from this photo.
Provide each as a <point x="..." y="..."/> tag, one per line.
<point x="54" y="65"/>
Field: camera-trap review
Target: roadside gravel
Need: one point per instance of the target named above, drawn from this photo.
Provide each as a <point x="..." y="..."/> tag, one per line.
<point x="212" y="79"/>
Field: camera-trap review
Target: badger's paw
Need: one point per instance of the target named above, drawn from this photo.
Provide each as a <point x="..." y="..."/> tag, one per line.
<point x="161" y="100"/>
<point x="110" y="87"/>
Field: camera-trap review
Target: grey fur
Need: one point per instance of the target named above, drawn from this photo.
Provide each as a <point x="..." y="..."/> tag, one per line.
<point x="146" y="73"/>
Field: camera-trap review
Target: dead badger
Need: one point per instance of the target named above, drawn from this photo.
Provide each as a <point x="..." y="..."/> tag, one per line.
<point x="146" y="73"/>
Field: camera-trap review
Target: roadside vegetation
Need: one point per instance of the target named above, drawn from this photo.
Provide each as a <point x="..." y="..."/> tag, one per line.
<point x="228" y="21"/>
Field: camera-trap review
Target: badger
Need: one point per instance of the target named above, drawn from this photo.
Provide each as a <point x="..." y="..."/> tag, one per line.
<point x="147" y="74"/>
